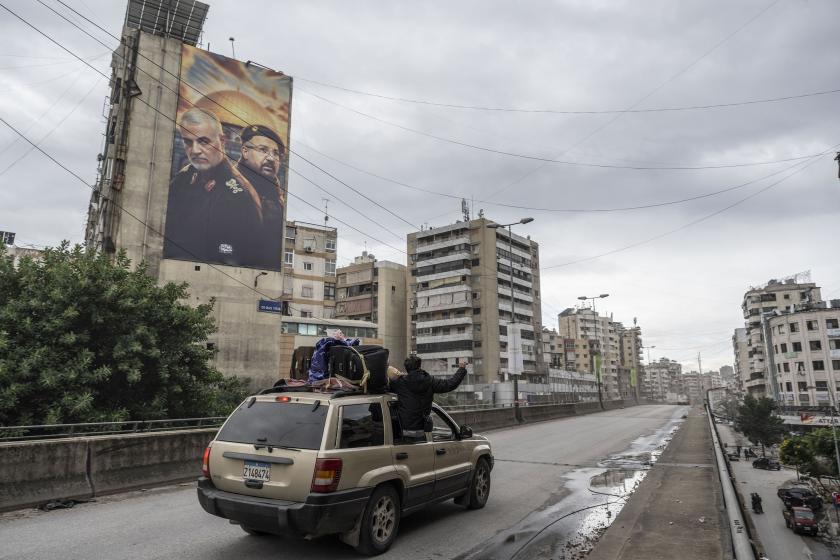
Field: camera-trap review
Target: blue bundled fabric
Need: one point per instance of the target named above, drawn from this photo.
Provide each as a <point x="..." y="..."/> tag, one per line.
<point x="318" y="365"/>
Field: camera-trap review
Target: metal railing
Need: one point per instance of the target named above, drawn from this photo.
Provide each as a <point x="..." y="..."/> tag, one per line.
<point x="52" y="431"/>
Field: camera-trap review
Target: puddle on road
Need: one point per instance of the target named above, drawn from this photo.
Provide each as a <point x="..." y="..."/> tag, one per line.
<point x="571" y="522"/>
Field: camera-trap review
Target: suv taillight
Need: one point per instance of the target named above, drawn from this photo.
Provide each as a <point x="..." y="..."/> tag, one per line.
<point x="205" y="462"/>
<point x="326" y="476"/>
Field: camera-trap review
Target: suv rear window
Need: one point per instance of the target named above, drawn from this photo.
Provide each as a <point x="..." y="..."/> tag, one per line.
<point x="281" y="424"/>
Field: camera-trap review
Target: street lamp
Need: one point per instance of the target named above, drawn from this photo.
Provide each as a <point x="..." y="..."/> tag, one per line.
<point x="515" y="376"/>
<point x="592" y="355"/>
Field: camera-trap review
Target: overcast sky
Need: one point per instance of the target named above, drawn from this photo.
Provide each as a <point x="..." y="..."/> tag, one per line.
<point x="685" y="287"/>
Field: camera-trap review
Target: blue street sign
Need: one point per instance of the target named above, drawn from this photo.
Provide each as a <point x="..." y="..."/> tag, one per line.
<point x="269" y="306"/>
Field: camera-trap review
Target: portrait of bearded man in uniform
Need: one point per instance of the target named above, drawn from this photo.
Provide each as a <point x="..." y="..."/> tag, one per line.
<point x="214" y="213"/>
<point x="262" y="152"/>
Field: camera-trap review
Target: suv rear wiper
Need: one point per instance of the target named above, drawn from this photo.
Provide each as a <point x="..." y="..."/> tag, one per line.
<point x="271" y="448"/>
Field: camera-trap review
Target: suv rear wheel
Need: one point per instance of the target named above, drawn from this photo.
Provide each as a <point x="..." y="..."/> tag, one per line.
<point x="480" y="485"/>
<point x="380" y="521"/>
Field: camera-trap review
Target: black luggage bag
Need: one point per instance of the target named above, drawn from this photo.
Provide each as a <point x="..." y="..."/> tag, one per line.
<point x="351" y="362"/>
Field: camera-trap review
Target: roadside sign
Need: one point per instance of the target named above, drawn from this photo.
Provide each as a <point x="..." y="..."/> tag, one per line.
<point x="269" y="306"/>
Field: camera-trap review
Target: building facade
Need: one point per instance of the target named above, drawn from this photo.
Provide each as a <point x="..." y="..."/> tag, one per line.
<point x="309" y="263"/>
<point x="806" y="351"/>
<point x="742" y="359"/>
<point x="631" y="361"/>
<point x="459" y="302"/>
<point x="129" y="203"/>
<point x="604" y="347"/>
<point x="570" y="384"/>
<point x="758" y="304"/>
<point x="662" y="379"/>
<point x="372" y="290"/>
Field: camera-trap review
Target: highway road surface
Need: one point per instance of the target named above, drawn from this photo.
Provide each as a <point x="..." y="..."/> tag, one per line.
<point x="538" y="473"/>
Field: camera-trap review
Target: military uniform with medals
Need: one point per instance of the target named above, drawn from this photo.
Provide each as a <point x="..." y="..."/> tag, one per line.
<point x="213" y="216"/>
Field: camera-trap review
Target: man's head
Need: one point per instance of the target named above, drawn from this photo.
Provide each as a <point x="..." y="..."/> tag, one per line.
<point x="203" y="139"/>
<point x="262" y="150"/>
<point x="413" y="362"/>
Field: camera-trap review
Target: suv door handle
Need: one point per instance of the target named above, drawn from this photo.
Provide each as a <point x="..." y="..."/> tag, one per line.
<point x="440" y="451"/>
<point x="402" y="455"/>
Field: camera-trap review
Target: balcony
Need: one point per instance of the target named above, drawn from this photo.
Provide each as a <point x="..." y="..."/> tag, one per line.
<point x="834" y="354"/>
<point x="833" y="333"/>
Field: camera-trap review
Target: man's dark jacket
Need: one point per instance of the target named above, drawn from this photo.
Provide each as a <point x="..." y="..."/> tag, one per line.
<point x="415" y="391"/>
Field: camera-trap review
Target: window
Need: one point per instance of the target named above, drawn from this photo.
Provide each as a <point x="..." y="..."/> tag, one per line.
<point x="834" y="344"/>
<point x="307" y="266"/>
<point x="289" y="257"/>
<point x="306" y="291"/>
<point x="775" y="349"/>
<point x="329" y="291"/>
<point x="309" y="244"/>
<point x="270" y="421"/>
<point x="821" y="385"/>
<point x="789" y="387"/>
<point x="786" y="367"/>
<point x="329" y="267"/>
<point x="832" y="324"/>
<point x="818" y="365"/>
<point x="781" y="329"/>
<point x="815" y="345"/>
<point x="361" y="426"/>
<point x="442" y="430"/>
<point x="812" y="325"/>
<point x="797" y="346"/>
<point x="306" y="314"/>
<point x="784" y="347"/>
<point x="803" y="386"/>
<point x="835" y="365"/>
<point x="794" y="327"/>
<point x="329" y="245"/>
<point x="800" y="367"/>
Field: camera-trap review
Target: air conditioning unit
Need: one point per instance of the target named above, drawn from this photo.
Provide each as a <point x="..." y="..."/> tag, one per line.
<point x="309" y="249"/>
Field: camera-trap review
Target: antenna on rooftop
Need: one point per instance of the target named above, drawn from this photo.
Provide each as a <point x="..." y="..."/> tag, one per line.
<point x="465" y="209"/>
<point x="326" y="210"/>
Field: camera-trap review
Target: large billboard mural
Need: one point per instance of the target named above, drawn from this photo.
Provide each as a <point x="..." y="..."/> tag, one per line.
<point x="227" y="197"/>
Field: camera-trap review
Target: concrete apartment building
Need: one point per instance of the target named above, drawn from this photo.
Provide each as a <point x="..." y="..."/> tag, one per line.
<point x="742" y="360"/>
<point x="632" y="372"/>
<point x="375" y="291"/>
<point x="309" y="263"/>
<point x="760" y="302"/>
<point x="571" y="384"/>
<point x="690" y="384"/>
<point x="604" y="343"/>
<point x="128" y="205"/>
<point x="459" y="303"/>
<point x="806" y="355"/>
<point x="662" y="379"/>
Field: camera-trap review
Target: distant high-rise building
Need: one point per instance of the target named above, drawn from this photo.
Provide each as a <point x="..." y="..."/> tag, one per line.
<point x="372" y="290"/>
<point x="310" y="266"/>
<point x="758" y="303"/>
<point x="460" y="300"/>
<point x="662" y="379"/>
<point x="605" y="349"/>
<point x="742" y="357"/>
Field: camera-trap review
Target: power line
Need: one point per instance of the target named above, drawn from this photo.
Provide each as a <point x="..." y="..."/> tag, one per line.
<point x="576" y="112"/>
<point x="147" y="104"/>
<point x="642" y="99"/>
<point x="545" y="159"/>
<point x="544" y="209"/>
<point x="699" y="220"/>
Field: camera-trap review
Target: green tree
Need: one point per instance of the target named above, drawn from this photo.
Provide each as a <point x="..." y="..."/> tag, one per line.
<point x="758" y="423"/>
<point x="821" y="443"/>
<point x="83" y="338"/>
<point x="797" y="452"/>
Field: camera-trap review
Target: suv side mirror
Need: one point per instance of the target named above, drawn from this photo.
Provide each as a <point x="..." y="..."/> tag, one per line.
<point x="465" y="433"/>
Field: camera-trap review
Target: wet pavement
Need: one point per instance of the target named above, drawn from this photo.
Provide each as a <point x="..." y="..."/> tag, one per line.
<point x="570" y="522"/>
<point x="677" y="510"/>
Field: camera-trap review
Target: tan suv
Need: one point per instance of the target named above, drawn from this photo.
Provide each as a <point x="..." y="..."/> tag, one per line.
<point x="310" y="464"/>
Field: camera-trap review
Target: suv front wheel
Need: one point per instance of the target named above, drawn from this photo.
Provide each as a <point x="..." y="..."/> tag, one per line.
<point x="480" y="485"/>
<point x="380" y="521"/>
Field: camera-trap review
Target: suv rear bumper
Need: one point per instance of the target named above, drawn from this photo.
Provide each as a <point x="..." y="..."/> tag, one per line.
<point x="320" y="514"/>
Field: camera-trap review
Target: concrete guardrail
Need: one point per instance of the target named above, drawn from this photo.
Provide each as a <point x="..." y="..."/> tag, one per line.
<point x="36" y="472"/>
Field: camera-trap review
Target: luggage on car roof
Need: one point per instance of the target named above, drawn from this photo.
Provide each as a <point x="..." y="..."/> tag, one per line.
<point x="365" y="365"/>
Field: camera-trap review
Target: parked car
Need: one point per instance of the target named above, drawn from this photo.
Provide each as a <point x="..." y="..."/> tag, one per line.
<point x="309" y="464"/>
<point x="796" y="495"/>
<point x="734" y="456"/>
<point x="767" y="464"/>
<point x="801" y="520"/>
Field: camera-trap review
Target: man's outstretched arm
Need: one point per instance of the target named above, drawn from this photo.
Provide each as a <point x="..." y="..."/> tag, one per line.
<point x="451" y="383"/>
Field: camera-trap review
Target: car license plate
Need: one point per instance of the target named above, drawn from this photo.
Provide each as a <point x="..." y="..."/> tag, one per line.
<point x="255" y="470"/>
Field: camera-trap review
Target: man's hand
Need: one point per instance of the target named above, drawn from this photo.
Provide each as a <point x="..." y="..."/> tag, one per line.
<point x="462" y="364"/>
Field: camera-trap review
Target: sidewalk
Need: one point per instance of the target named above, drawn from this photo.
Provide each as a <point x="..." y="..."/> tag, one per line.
<point x="677" y="512"/>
